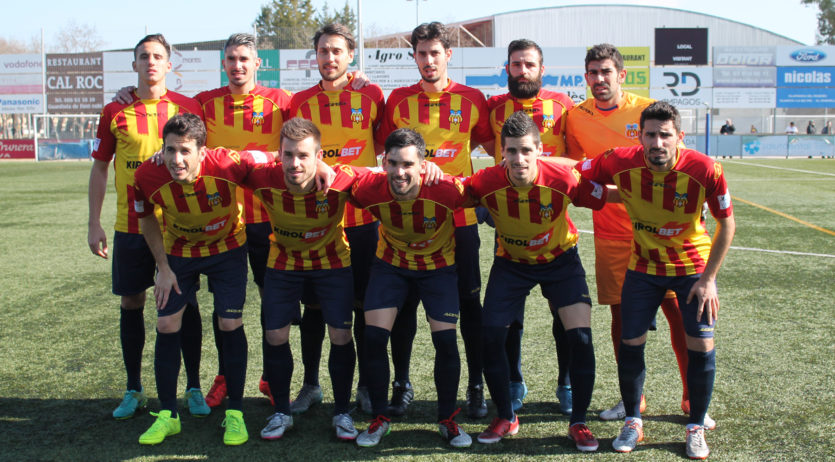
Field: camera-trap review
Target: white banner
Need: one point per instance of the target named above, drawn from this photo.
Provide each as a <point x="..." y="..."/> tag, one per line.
<point x="744" y="56"/>
<point x="20" y="64"/>
<point x="806" y="55"/>
<point x="21" y="104"/>
<point x="191" y="72"/>
<point x="683" y="87"/>
<point x="20" y="84"/>
<point x="744" y="98"/>
<point x="744" y="76"/>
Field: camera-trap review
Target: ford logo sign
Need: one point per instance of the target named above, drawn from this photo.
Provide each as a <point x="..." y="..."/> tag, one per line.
<point x="808" y="56"/>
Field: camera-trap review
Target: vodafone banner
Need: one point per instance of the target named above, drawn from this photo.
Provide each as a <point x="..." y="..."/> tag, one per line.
<point x="17" y="149"/>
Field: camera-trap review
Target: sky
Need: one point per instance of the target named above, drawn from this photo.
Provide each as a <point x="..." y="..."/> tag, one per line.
<point x="181" y="22"/>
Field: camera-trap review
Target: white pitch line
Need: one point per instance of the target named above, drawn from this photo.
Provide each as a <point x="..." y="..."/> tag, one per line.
<point x="785" y="252"/>
<point x="777" y="168"/>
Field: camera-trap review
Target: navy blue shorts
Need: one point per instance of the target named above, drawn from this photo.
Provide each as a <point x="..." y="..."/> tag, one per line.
<point x="642" y="294"/>
<point x="133" y="264"/>
<point x="258" y="249"/>
<point x="467" y="244"/>
<point x="562" y="281"/>
<point x="332" y="288"/>
<point x="226" y="273"/>
<point x="363" y="243"/>
<point x="389" y="286"/>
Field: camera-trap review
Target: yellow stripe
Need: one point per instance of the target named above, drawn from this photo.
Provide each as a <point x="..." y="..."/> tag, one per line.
<point x="806" y="223"/>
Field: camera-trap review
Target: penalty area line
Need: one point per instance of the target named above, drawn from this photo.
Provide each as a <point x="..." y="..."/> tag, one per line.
<point x="785" y="215"/>
<point x="777" y="168"/>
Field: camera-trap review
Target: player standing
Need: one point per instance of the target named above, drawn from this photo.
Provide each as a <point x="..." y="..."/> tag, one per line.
<point x="204" y="234"/>
<point x="663" y="187"/>
<point x="416" y="248"/>
<point x="608" y="120"/>
<point x="547" y="109"/>
<point x="128" y="133"/>
<point x="537" y="244"/>
<point x="346" y="118"/>
<point x="452" y="119"/>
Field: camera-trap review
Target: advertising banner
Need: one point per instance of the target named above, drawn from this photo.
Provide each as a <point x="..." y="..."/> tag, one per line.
<point x="74" y="83"/>
<point x="682" y="86"/>
<point x="744" y="56"/>
<point x="806" y="97"/>
<point x="744" y="98"/>
<point x="268" y="75"/>
<point x="764" y="145"/>
<point x="17" y="149"/>
<point x="21" y="84"/>
<point x="745" y="77"/>
<point x="805" y="76"/>
<point x="21" y="104"/>
<point x="681" y="46"/>
<point x="191" y="71"/>
<point x="806" y="55"/>
<point x="815" y="146"/>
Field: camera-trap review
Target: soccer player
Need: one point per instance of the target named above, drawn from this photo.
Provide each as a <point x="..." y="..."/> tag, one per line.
<point x="537" y="244"/>
<point x="663" y="187"/>
<point x="346" y="118"/>
<point x="204" y="234"/>
<point x="452" y="119"/>
<point x="416" y="248"/>
<point x="547" y="109"/>
<point x="308" y="251"/>
<point x="128" y="133"/>
<point x="244" y="116"/>
<point x="608" y="120"/>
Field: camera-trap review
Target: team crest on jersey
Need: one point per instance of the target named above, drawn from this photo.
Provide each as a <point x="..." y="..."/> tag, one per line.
<point x="717" y="171"/>
<point x="235" y="156"/>
<point x="680" y="199"/>
<point x="356" y="115"/>
<point x="322" y="206"/>
<point x="258" y="118"/>
<point x="455" y="117"/>
<point x="430" y="223"/>
<point x="632" y="131"/>
<point x="214" y="199"/>
<point x="548" y="121"/>
<point x="545" y="211"/>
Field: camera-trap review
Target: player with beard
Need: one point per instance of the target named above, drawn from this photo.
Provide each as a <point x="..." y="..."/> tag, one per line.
<point x="547" y="109"/>
<point x="346" y="118"/>
<point x="452" y="118"/>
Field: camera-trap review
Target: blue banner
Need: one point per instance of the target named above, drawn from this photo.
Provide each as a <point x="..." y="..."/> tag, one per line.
<point x="806" y="97"/>
<point x="805" y="77"/>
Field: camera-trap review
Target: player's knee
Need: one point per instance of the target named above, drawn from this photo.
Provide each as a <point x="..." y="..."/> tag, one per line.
<point x="700" y="344"/>
<point x="229" y="324"/>
<point x="169" y="324"/>
<point x="636" y="341"/>
<point x="339" y="336"/>
<point x="276" y="337"/>
<point x="133" y="302"/>
<point x="376" y="338"/>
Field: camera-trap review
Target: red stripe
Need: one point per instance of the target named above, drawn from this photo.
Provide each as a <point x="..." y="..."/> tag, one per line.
<point x="304" y="110"/>
<point x="466" y="114"/>
<point x="333" y="255"/>
<point x="388" y="254"/>
<point x="162" y="116"/>
<point x="445" y="108"/>
<point x="625" y="181"/>
<point x="646" y="185"/>
<point x="512" y="203"/>
<point x="438" y="260"/>
<point x="121" y="121"/>
<point x="423" y="109"/>
<point x="180" y="203"/>
<point x="365" y="104"/>
<point x="315" y="259"/>
<point x="281" y="258"/>
<point x="655" y="256"/>
<point x="420" y="262"/>
<point x="534" y="205"/>
<point x="693" y="189"/>
<point x="672" y="254"/>
<point x="324" y="109"/>
<point x="269" y="113"/>
<point x="333" y="202"/>
<point x="249" y="108"/>
<point x="203" y="199"/>
<point x="418" y="217"/>
<point x="310" y="206"/>
<point x="670" y="191"/>
<point x="209" y="111"/>
<point x="297" y="259"/>
<point x="557" y="205"/>
<point x="500" y="113"/>
<point x="491" y="201"/>
<point x="395" y="214"/>
<point x="133" y="219"/>
<point x="266" y="196"/>
<point x="693" y="254"/>
<point x="642" y="264"/>
<point x="228" y="111"/>
<point x="249" y="206"/>
<point x="538" y="115"/>
<point x="287" y="202"/>
<point x="177" y="247"/>
<point x="141" y="114"/>
<point x="345" y="109"/>
<point x="214" y="247"/>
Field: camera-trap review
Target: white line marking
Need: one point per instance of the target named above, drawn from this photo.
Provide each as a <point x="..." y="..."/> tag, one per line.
<point x="777" y="168"/>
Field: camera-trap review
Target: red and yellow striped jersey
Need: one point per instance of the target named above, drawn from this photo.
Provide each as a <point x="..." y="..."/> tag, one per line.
<point x="240" y="122"/>
<point x="589" y="132"/>
<point x="532" y="222"/>
<point x="346" y="118"/>
<point x="307" y="228"/>
<point x="452" y="122"/>
<point x="665" y="207"/>
<point x="547" y="110"/>
<point x="201" y="218"/>
<point x="132" y="133"/>
<point x="416" y="234"/>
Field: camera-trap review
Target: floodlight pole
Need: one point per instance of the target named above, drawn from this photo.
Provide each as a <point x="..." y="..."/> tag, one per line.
<point x="707" y="129"/>
<point x="361" y="44"/>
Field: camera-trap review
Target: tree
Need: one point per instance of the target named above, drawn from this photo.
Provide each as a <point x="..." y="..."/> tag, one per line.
<point x="77" y="38"/>
<point x="15" y="46"/>
<point x="286" y="24"/>
<point x="826" y="20"/>
<point x="346" y="17"/>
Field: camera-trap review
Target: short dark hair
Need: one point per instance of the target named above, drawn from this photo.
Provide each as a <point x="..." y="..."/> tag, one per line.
<point x="297" y="129"/>
<point x="159" y="38"/>
<point x="663" y="111"/>
<point x="430" y="31"/>
<point x="241" y="40"/>
<point x="187" y="126"/>
<point x="518" y="125"/>
<point x="604" y="51"/>
<point x="335" y="29"/>
<point x="521" y="45"/>
<point x="404" y="137"/>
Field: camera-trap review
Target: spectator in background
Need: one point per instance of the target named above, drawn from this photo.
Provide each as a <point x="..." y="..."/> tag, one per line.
<point x="728" y="128"/>
<point x="791" y="129"/>
<point x="811" y="129"/>
<point x="827" y="129"/>
<point x="753" y="129"/>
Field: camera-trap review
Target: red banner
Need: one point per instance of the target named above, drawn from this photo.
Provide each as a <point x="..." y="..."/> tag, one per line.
<point x="17" y="149"/>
